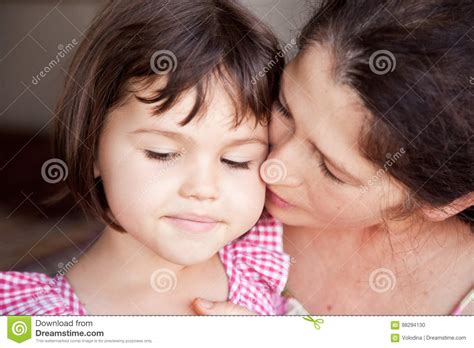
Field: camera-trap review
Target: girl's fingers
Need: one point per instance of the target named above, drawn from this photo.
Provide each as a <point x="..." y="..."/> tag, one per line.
<point x="205" y="307"/>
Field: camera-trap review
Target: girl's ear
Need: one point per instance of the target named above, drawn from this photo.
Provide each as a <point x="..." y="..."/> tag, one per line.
<point x="449" y="210"/>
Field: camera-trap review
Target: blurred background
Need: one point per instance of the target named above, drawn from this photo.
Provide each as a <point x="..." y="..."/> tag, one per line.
<point x="37" y="41"/>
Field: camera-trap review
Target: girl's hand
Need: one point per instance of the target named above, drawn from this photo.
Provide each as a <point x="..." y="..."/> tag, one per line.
<point x="205" y="307"/>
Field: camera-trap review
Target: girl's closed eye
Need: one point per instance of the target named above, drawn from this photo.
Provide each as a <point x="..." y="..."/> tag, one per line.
<point x="162" y="156"/>
<point x="237" y="165"/>
<point x="170" y="156"/>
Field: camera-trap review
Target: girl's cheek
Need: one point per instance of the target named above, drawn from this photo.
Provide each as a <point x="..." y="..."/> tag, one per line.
<point x="254" y="185"/>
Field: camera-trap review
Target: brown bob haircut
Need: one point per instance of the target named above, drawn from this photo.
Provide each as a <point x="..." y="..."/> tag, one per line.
<point x="203" y="39"/>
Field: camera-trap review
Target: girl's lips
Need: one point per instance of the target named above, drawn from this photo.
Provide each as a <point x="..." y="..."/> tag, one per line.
<point x="278" y="201"/>
<point x="191" y="225"/>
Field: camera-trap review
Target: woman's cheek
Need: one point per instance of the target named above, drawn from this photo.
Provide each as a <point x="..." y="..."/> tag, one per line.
<point x="327" y="203"/>
<point x="345" y="207"/>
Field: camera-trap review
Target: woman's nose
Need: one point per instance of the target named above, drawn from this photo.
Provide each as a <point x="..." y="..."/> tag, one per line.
<point x="275" y="171"/>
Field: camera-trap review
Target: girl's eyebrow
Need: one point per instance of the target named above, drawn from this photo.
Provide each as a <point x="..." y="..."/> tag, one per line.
<point x="165" y="133"/>
<point x="179" y="136"/>
<point x="249" y="140"/>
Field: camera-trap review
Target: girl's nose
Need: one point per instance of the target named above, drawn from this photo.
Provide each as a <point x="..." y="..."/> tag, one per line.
<point x="201" y="183"/>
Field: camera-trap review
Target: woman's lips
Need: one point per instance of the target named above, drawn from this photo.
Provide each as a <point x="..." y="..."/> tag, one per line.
<point x="197" y="224"/>
<point x="278" y="201"/>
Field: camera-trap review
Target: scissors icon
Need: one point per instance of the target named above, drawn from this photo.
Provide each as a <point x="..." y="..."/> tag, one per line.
<point x="316" y="322"/>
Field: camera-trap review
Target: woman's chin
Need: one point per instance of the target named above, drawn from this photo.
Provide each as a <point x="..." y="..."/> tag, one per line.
<point x="285" y="215"/>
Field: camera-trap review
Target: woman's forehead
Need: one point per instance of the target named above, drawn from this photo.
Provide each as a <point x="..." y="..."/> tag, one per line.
<point x="328" y="113"/>
<point x="315" y="98"/>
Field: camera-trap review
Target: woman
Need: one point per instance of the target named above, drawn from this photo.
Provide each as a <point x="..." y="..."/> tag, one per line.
<point x="373" y="140"/>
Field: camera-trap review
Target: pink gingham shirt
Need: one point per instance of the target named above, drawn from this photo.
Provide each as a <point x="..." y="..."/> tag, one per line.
<point x="256" y="266"/>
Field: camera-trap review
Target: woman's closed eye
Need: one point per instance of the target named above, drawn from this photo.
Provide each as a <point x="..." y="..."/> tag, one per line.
<point x="170" y="156"/>
<point x="281" y="109"/>
<point x="328" y="173"/>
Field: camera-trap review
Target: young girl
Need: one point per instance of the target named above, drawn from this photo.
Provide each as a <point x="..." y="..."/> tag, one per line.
<point x="163" y="126"/>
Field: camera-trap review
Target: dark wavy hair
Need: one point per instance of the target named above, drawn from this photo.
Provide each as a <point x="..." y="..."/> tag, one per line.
<point x="412" y="64"/>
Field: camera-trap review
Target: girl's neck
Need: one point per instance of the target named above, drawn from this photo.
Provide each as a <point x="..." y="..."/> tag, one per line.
<point x="116" y="251"/>
<point x="124" y="249"/>
<point x="119" y="273"/>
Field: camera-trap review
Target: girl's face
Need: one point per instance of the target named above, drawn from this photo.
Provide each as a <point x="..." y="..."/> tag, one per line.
<point x="324" y="182"/>
<point x="183" y="191"/>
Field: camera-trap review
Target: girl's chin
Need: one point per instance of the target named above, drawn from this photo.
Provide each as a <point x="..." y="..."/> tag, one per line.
<point x="184" y="260"/>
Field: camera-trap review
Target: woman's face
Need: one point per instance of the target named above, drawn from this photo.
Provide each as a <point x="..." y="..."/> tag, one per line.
<point x="316" y="174"/>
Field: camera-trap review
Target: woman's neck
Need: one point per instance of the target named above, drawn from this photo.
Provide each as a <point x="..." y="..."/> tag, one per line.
<point x="331" y="268"/>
